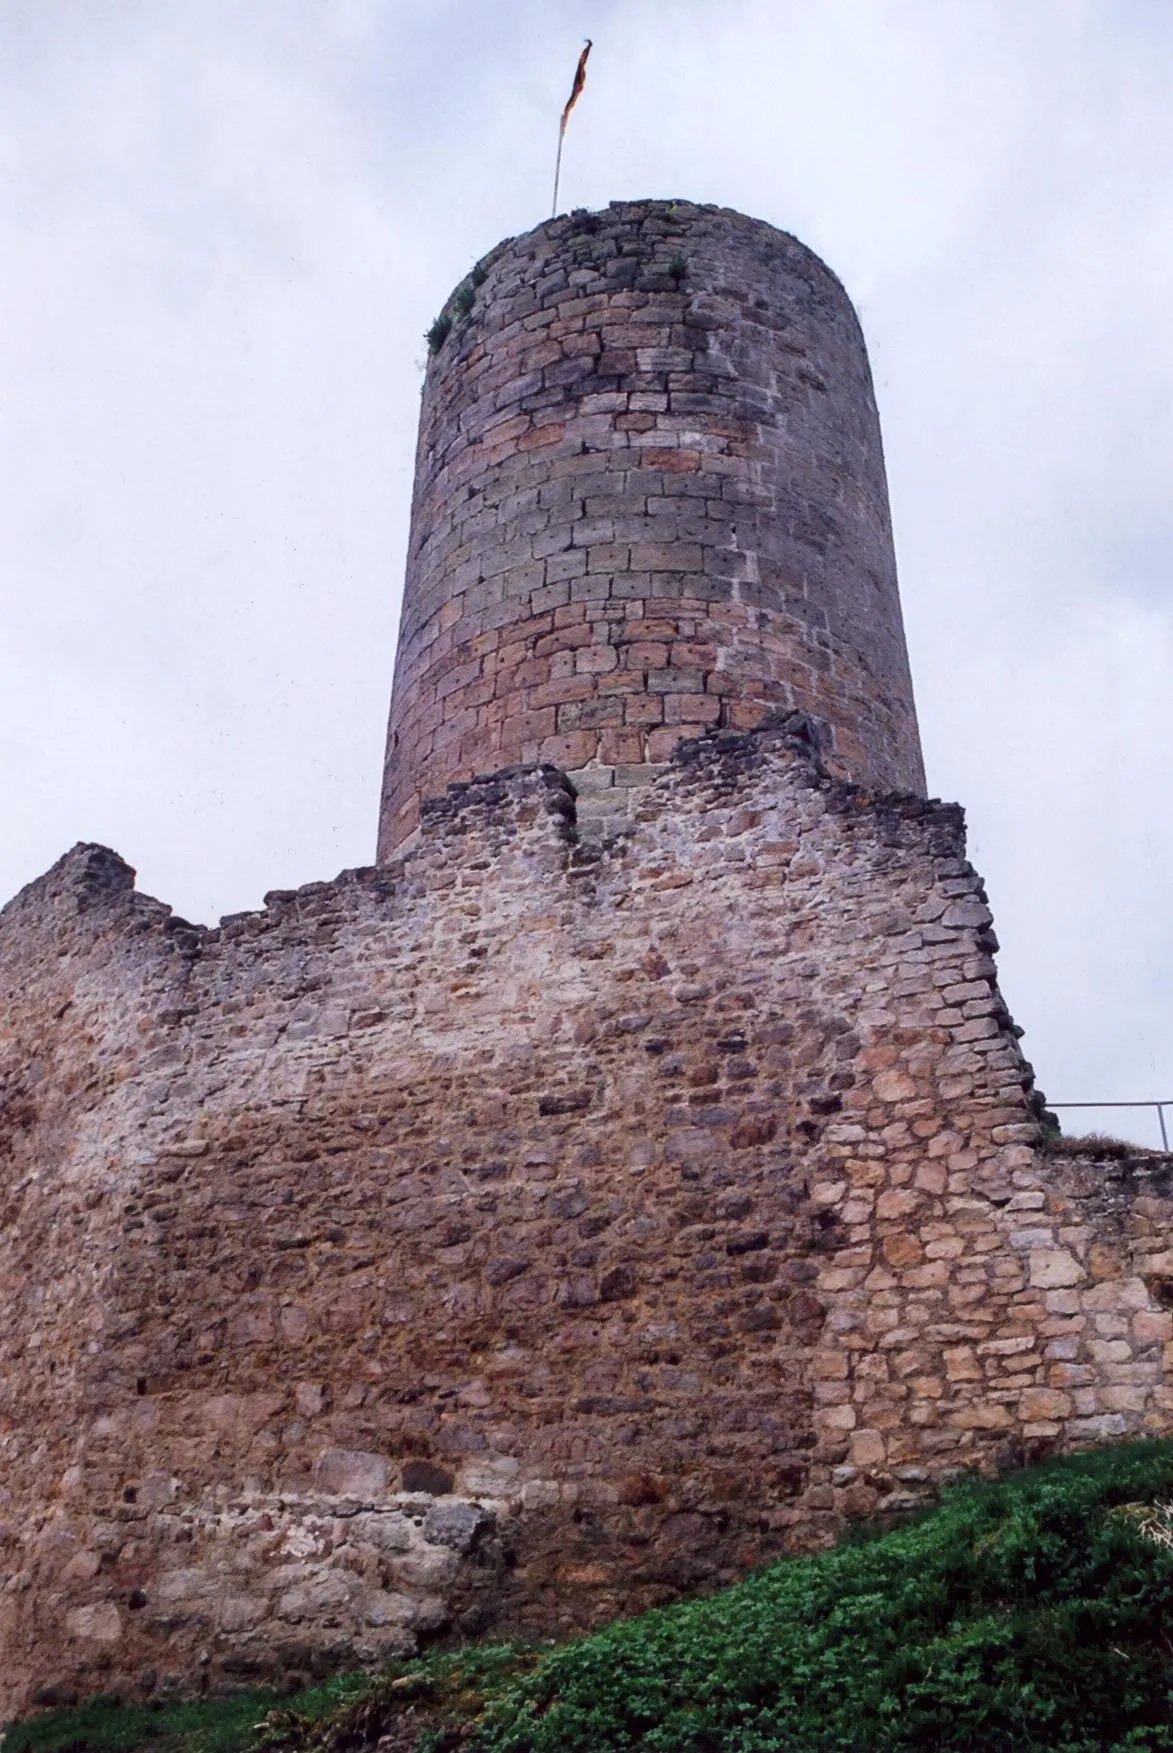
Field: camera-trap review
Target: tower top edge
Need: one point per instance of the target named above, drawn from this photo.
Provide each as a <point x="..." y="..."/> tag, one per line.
<point x="675" y="215"/>
<point x="672" y="209"/>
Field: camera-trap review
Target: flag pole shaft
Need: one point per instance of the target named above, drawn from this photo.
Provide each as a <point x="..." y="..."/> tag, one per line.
<point x="558" y="170"/>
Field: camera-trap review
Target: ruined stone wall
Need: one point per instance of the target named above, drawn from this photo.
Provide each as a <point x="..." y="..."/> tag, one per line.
<point x="649" y="500"/>
<point x="522" y="1231"/>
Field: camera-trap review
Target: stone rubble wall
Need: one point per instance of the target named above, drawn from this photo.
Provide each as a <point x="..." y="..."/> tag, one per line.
<point x="528" y="1229"/>
<point x="649" y="501"/>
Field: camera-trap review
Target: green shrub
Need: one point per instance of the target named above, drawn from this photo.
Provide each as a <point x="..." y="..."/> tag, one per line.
<point x="439" y="331"/>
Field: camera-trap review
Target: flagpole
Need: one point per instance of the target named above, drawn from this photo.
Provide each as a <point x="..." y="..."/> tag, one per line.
<point x="558" y="169"/>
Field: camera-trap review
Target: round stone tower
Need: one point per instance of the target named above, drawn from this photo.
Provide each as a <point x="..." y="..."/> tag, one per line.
<point x="649" y="501"/>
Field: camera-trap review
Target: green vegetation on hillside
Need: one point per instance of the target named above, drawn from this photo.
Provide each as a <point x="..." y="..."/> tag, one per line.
<point x="1031" y="1613"/>
<point x="205" y="1725"/>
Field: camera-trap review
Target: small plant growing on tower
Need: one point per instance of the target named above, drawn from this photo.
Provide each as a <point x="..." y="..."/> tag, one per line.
<point x="678" y="267"/>
<point x="479" y="274"/>
<point x="465" y="298"/>
<point x="439" y="331"/>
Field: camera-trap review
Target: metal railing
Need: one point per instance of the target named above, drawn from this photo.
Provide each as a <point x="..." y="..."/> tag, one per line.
<point x="1159" y="1106"/>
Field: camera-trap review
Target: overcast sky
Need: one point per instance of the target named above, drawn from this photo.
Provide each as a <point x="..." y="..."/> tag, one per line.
<point x="224" y="227"/>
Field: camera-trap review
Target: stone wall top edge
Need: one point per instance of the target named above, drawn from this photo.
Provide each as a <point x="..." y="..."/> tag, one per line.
<point x="91" y="879"/>
<point x="488" y="790"/>
<point x="94" y="882"/>
<point x="803" y="737"/>
<point x="93" y="886"/>
<point x="728" y="755"/>
<point x="88" y="873"/>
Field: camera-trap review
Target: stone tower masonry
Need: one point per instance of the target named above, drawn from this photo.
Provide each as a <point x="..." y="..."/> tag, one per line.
<point x="649" y="502"/>
<point x="635" y="1173"/>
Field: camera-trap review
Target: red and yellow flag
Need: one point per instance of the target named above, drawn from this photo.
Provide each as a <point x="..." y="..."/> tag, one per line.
<point x="576" y="88"/>
<point x="575" y="93"/>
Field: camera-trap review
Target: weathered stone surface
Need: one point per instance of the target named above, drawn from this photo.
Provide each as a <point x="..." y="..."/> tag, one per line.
<point x="100" y="1622"/>
<point x="1051" y="1268"/>
<point x="347" y="1473"/>
<point x="459" y="1525"/>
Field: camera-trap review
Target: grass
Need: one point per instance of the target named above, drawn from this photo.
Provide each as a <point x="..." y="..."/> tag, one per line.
<point x="206" y="1725"/>
<point x="1031" y="1613"/>
<point x="1093" y="1144"/>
